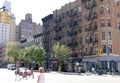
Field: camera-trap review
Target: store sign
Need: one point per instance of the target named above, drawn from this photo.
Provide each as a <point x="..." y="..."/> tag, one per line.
<point x="54" y="62"/>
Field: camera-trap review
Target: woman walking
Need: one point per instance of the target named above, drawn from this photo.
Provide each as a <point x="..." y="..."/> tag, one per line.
<point x="32" y="72"/>
<point x="41" y="77"/>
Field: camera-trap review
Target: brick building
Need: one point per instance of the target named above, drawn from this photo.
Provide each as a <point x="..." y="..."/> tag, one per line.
<point x="88" y="27"/>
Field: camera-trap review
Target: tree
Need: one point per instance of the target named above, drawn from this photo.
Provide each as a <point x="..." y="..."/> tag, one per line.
<point x="35" y="53"/>
<point x="61" y="53"/>
<point x="13" y="51"/>
<point x="40" y="55"/>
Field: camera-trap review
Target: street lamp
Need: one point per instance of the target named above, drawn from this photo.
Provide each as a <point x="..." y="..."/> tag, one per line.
<point x="108" y="50"/>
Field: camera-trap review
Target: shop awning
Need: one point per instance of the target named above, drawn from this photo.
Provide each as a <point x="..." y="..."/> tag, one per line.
<point x="115" y="58"/>
<point x="109" y="58"/>
<point x="90" y="59"/>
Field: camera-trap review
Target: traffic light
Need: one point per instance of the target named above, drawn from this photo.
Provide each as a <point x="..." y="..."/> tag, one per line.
<point x="100" y="51"/>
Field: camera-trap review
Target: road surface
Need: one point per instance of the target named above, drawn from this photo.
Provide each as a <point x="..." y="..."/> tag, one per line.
<point x="8" y="76"/>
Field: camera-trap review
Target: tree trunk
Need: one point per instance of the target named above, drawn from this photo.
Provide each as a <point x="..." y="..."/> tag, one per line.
<point x="60" y="66"/>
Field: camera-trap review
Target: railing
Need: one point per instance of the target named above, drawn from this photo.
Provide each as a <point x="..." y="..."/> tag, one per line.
<point x="57" y="37"/>
<point x="57" y="19"/>
<point x="57" y="28"/>
<point x="72" y="23"/>
<point x="72" y="13"/>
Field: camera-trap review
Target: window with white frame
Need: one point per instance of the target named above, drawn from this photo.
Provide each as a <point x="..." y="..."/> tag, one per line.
<point x="79" y="9"/>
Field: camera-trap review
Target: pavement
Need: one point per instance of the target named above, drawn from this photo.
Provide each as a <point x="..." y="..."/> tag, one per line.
<point x="8" y="76"/>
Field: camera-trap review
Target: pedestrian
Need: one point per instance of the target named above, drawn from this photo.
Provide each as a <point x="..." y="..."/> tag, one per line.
<point x="17" y="75"/>
<point x="41" y="77"/>
<point x="25" y="74"/>
<point x="93" y="70"/>
<point x="79" y="70"/>
<point x="32" y="72"/>
<point x="113" y="71"/>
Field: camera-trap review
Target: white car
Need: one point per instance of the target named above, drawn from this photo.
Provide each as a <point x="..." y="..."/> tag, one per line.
<point x="11" y="66"/>
<point x="22" y="70"/>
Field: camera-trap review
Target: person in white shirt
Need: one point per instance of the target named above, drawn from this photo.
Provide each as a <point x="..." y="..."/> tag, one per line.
<point x="41" y="77"/>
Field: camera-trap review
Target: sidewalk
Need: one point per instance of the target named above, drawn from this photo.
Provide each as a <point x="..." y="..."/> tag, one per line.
<point x="82" y="74"/>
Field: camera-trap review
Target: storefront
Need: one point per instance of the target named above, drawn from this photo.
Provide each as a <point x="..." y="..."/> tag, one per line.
<point x="104" y="63"/>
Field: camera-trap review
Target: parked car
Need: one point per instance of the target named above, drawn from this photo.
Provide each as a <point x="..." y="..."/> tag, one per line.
<point x="22" y="70"/>
<point x="11" y="66"/>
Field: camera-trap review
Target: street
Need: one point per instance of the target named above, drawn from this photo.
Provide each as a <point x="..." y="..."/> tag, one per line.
<point x="8" y="76"/>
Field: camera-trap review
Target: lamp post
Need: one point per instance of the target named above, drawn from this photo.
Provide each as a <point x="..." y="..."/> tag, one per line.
<point x="107" y="50"/>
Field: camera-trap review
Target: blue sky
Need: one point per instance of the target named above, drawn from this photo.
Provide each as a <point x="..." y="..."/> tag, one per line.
<point x="38" y="8"/>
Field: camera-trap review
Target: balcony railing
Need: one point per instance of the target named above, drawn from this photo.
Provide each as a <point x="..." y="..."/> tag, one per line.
<point x="72" y="33"/>
<point x="72" y="44"/>
<point x="57" y="19"/>
<point x="72" y="13"/>
<point x="88" y="40"/>
<point x="72" y="23"/>
<point x="57" y="28"/>
<point x="95" y="39"/>
<point x="57" y="37"/>
<point x="94" y="15"/>
<point x="95" y="27"/>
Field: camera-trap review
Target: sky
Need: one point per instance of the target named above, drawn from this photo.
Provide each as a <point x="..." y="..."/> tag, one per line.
<point x="38" y="8"/>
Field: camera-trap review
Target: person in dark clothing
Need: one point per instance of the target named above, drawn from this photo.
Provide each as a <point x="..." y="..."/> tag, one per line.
<point x="17" y="74"/>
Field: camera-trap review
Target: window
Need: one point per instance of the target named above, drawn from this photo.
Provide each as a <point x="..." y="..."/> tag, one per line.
<point x="101" y="0"/>
<point x="103" y="35"/>
<point x="109" y="35"/>
<point x="104" y="48"/>
<point x="95" y="25"/>
<point x="101" y="10"/>
<point x="119" y="25"/>
<point x="102" y="23"/>
<point x="80" y="29"/>
<point x="86" y="50"/>
<point x="79" y="9"/>
<point x="117" y="3"/>
<point x="109" y="24"/>
<point x="118" y="14"/>
<point x="108" y="10"/>
<point x="67" y="13"/>
<point x="96" y="37"/>
<point x="80" y="18"/>
<point x="110" y="49"/>
<point x="63" y="15"/>
<point x="91" y="50"/>
<point x="80" y="40"/>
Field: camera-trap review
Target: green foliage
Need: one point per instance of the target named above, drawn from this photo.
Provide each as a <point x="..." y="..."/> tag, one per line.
<point x="29" y="53"/>
<point x="13" y="51"/>
<point x="61" y="52"/>
<point x="34" y="53"/>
